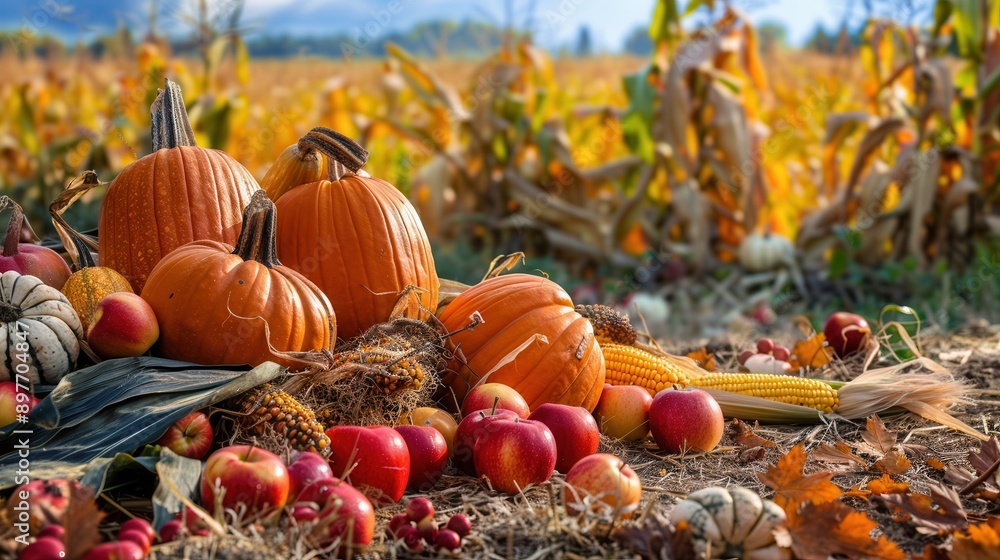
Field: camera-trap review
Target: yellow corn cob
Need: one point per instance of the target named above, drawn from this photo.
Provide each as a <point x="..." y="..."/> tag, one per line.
<point x="610" y="326"/>
<point x="801" y="391"/>
<point x="628" y="365"/>
<point x="289" y="418"/>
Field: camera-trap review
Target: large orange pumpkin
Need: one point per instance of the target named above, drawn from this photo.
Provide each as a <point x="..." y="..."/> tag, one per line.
<point x="567" y="368"/>
<point x="220" y="305"/>
<point x="177" y="194"/>
<point x="357" y="238"/>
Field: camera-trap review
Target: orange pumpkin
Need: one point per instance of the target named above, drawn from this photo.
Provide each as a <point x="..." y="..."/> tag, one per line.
<point x="567" y="367"/>
<point x="177" y="194"/>
<point x="357" y="238"/>
<point x="220" y="305"/>
<point x="298" y="164"/>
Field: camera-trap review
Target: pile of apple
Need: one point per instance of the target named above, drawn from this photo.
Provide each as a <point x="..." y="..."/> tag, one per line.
<point x="845" y="333"/>
<point x="416" y="528"/>
<point x="769" y="358"/>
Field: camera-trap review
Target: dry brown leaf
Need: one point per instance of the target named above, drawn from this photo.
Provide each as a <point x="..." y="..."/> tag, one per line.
<point x="792" y="487"/>
<point x="704" y="358"/>
<point x="886" y="485"/>
<point x="811" y="352"/>
<point x="81" y="522"/>
<point x="744" y="436"/>
<point x="752" y="454"/>
<point x="982" y="461"/>
<point x="935" y="463"/>
<point x="939" y="513"/>
<point x="821" y="531"/>
<point x="656" y="539"/>
<point x="879" y="439"/>
<point x="839" y="455"/>
<point x="894" y="463"/>
<point x="981" y="542"/>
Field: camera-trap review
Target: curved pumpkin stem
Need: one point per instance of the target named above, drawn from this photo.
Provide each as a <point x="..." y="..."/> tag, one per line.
<point x="257" y="239"/>
<point x="346" y="156"/>
<point x="13" y="239"/>
<point x="85" y="259"/>
<point x="171" y="126"/>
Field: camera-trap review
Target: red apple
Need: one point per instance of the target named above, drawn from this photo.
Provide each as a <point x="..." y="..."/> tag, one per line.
<point x="428" y="529"/>
<point x="121" y="550"/>
<point x="33" y="260"/>
<point x="459" y="524"/>
<point x="397" y="521"/>
<point x="436" y="418"/>
<point x="515" y="453"/>
<point x="448" y="540"/>
<point x="847" y="333"/>
<point x="251" y="476"/>
<point x="39" y="503"/>
<point x="123" y="325"/>
<point x="622" y="412"/>
<point x="483" y="396"/>
<point x="428" y="455"/>
<point x="138" y="537"/>
<point x="14" y="402"/>
<point x="376" y="459"/>
<point x="53" y="531"/>
<point x="574" y="430"/>
<point x="468" y="432"/>
<point x="141" y="525"/>
<point x="45" y="548"/>
<point x="608" y="479"/>
<point x="190" y="436"/>
<point x="305" y="468"/>
<point x="305" y="514"/>
<point x="343" y="511"/>
<point x="686" y="419"/>
<point x="172" y="530"/>
<point x="419" y="509"/>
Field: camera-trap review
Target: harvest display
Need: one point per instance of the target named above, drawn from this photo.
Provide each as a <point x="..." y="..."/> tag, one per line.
<point x="281" y="361"/>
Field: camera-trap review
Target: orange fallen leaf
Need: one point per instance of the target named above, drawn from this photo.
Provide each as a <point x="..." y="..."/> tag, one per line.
<point x="705" y="359"/>
<point x="939" y="513"/>
<point x="792" y="487"/>
<point x="981" y="542"/>
<point x="744" y="436"/>
<point x="935" y="463"/>
<point x="886" y="485"/>
<point x="894" y="463"/>
<point x="821" y="531"/>
<point x="811" y="352"/>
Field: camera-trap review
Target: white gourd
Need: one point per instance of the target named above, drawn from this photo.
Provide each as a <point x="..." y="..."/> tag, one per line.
<point x="732" y="523"/>
<point x="766" y="252"/>
<point x="40" y="331"/>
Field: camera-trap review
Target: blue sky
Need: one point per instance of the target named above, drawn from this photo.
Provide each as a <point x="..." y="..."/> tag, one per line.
<point x="556" y="21"/>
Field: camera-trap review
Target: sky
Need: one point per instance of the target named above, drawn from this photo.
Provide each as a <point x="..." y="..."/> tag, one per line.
<point x="556" y="22"/>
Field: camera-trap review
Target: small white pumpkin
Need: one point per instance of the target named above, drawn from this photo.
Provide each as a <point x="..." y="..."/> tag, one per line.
<point x="766" y="252"/>
<point x="732" y="523"/>
<point x="40" y="331"/>
<point x="766" y="363"/>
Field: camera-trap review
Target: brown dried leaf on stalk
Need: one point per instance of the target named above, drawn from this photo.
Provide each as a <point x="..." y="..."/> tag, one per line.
<point x="878" y="440"/>
<point x="744" y="435"/>
<point x="81" y="522"/>
<point x="840" y="455"/>
<point x="821" y="531"/>
<point x="981" y="461"/>
<point x="811" y="352"/>
<point x="886" y="485"/>
<point x="980" y="542"/>
<point x="894" y="463"/>
<point x="793" y="487"/>
<point x="939" y="513"/>
<point x="704" y="358"/>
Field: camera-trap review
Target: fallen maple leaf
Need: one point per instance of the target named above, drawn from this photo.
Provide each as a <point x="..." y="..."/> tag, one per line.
<point x="981" y="542"/>
<point x="745" y="436"/>
<point x="792" y="487"/>
<point x="894" y="463"/>
<point x="886" y="485"/>
<point x="939" y="513"/>
<point x="839" y="455"/>
<point x="811" y="352"/>
<point x="821" y="531"/>
<point x="705" y="359"/>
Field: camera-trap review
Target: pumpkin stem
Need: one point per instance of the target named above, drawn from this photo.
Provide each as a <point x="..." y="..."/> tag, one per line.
<point x="257" y="240"/>
<point x="13" y="239"/>
<point x="9" y="313"/>
<point x="84" y="257"/>
<point x="346" y="156"/>
<point x="171" y="127"/>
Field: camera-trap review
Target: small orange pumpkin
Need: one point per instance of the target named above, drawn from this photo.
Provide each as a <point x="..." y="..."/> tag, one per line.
<point x="357" y="238"/>
<point x="298" y="164"/>
<point x="177" y="194"/>
<point x="217" y="304"/>
<point x="567" y="367"/>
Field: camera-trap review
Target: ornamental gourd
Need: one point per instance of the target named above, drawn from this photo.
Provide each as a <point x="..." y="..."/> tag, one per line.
<point x="531" y="338"/>
<point x="177" y="194"/>
<point x="89" y="284"/>
<point x="357" y="238"/>
<point x="766" y="252"/>
<point x="28" y="258"/>
<point x="217" y="304"/>
<point x="732" y="523"/>
<point x="298" y="164"/>
<point x="39" y="331"/>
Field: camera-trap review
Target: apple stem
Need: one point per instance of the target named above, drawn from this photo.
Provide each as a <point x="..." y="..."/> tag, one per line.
<point x="496" y="402"/>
